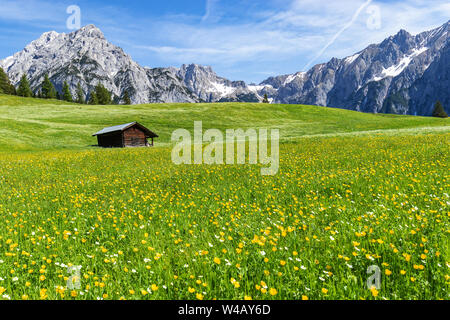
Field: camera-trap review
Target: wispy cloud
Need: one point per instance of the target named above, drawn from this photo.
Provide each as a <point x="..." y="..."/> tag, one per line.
<point x="338" y="34"/>
<point x="31" y="11"/>
<point x="210" y="4"/>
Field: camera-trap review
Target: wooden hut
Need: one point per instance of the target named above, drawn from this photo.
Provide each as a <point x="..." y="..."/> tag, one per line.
<point x="126" y="135"/>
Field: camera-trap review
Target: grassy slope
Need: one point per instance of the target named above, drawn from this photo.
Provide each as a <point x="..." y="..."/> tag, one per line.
<point x="31" y="124"/>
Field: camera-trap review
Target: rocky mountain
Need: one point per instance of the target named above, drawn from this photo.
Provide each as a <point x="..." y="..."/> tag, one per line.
<point x="85" y="56"/>
<point x="404" y="74"/>
<point x="209" y="87"/>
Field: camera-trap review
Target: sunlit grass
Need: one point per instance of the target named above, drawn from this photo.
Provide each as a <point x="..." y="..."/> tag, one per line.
<point x="36" y="124"/>
<point x="143" y="228"/>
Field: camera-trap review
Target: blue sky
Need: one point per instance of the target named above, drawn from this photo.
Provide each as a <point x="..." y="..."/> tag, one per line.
<point x="241" y="39"/>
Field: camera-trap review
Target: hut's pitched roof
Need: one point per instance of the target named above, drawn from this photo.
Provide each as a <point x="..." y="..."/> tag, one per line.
<point x="123" y="127"/>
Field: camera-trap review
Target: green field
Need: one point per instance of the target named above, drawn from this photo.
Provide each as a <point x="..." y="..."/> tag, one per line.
<point x="32" y="124"/>
<point x="353" y="190"/>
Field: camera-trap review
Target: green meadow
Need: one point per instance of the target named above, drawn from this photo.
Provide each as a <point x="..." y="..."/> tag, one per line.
<point x="353" y="191"/>
<point x="28" y="124"/>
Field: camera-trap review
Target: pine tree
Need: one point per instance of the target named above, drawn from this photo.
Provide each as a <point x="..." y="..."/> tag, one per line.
<point x="266" y="98"/>
<point x="24" y="87"/>
<point x="48" y="90"/>
<point x="5" y="85"/>
<point x="126" y="98"/>
<point x="80" y="94"/>
<point x="58" y="96"/>
<point x="439" y="111"/>
<point x="103" y="95"/>
<point x="66" y="95"/>
<point x="93" y="100"/>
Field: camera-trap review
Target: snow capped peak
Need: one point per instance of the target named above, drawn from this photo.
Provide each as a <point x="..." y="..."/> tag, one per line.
<point x="45" y="39"/>
<point x="189" y="68"/>
<point x="49" y="36"/>
<point x="90" y="31"/>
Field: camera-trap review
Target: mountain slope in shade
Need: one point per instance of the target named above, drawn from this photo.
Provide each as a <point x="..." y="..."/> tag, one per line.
<point x="390" y="77"/>
<point x="85" y="56"/>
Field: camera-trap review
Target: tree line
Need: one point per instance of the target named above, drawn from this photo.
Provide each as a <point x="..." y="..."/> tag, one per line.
<point x="98" y="96"/>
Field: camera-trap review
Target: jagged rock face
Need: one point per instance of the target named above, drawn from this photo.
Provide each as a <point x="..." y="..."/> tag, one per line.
<point x="83" y="56"/>
<point x="86" y="57"/>
<point x="209" y="87"/>
<point x="404" y="74"/>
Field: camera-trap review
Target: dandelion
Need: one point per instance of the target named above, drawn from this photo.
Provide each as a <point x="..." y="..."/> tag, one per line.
<point x="199" y="296"/>
<point x="374" y="291"/>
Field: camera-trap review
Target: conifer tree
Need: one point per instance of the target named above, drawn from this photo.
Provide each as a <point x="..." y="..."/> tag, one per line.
<point x="66" y="95"/>
<point x="126" y="98"/>
<point x="93" y="100"/>
<point x="103" y="95"/>
<point x="80" y="94"/>
<point x="48" y="90"/>
<point x="5" y="85"/>
<point x="439" y="111"/>
<point x="24" y="87"/>
<point x="266" y="98"/>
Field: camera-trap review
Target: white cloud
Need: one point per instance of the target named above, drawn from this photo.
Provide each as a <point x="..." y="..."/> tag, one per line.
<point x="30" y="11"/>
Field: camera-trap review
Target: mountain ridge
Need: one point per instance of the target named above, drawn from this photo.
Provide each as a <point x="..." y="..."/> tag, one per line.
<point x="377" y="79"/>
<point x="383" y="78"/>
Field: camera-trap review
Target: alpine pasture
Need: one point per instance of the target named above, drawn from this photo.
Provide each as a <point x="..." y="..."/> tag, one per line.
<point x="354" y="190"/>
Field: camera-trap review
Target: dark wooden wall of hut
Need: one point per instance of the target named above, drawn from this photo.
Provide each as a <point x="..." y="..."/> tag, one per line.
<point x="134" y="137"/>
<point x="113" y="140"/>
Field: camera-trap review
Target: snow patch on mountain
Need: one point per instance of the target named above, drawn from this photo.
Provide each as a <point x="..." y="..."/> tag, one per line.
<point x="351" y="59"/>
<point x="397" y="69"/>
<point x="222" y="89"/>
<point x="292" y="77"/>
